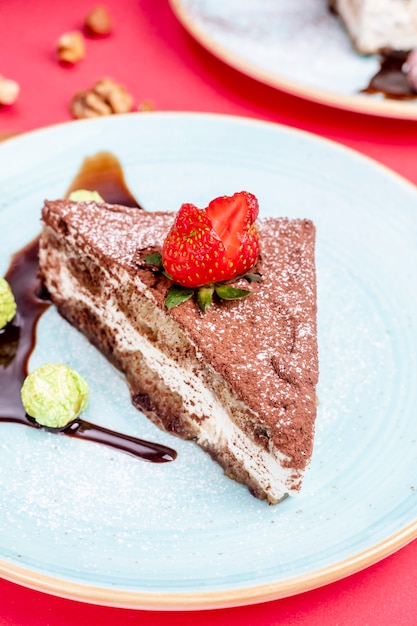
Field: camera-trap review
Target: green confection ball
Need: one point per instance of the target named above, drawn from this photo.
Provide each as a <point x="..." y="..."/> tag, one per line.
<point x="83" y="195"/>
<point x="7" y="303"/>
<point x="54" y="395"/>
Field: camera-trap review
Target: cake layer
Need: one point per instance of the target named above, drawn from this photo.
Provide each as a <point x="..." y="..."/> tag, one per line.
<point x="239" y="379"/>
<point x="379" y="25"/>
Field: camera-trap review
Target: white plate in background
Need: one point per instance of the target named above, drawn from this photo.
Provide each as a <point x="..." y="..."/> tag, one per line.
<point x="297" y="46"/>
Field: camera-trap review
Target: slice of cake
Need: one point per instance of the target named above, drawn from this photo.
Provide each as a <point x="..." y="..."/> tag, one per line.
<point x="379" y="25"/>
<point x="238" y="379"/>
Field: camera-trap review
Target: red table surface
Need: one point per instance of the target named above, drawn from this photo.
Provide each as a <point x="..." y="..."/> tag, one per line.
<point x="154" y="57"/>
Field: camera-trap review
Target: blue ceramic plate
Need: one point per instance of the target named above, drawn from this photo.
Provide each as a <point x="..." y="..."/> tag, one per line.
<point x="298" y="46"/>
<point x="82" y="521"/>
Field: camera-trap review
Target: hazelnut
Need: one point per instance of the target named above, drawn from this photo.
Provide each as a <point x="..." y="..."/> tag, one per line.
<point x="9" y="90"/>
<point x="98" y="22"/>
<point x="106" y="97"/>
<point x="70" y="47"/>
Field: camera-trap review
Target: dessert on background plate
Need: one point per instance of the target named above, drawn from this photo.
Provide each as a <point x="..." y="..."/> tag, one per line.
<point x="387" y="28"/>
<point x="377" y="26"/>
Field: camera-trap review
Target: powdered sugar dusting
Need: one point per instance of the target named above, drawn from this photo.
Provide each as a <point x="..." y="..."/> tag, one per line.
<point x="120" y="235"/>
<point x="276" y="326"/>
<point x="265" y="345"/>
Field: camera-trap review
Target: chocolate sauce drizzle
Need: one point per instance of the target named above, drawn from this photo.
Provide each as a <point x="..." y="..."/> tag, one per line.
<point x="103" y="172"/>
<point x="391" y="80"/>
<point x="18" y="338"/>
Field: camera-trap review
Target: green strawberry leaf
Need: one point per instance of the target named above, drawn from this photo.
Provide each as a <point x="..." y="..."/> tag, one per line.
<point x="154" y="259"/>
<point x="166" y="274"/>
<point x="205" y="297"/>
<point x="231" y="293"/>
<point x="253" y="278"/>
<point x="176" y="295"/>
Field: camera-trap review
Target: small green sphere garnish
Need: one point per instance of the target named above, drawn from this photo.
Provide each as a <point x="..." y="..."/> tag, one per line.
<point x="54" y="395"/>
<point x="7" y="303"/>
<point x="83" y="195"/>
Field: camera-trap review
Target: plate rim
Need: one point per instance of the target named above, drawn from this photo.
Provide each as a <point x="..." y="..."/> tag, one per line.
<point x="188" y="601"/>
<point x="252" y="594"/>
<point x="16" y="138"/>
<point x="353" y="103"/>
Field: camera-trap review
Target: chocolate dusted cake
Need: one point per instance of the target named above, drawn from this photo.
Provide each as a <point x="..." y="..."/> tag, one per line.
<point x="238" y="379"/>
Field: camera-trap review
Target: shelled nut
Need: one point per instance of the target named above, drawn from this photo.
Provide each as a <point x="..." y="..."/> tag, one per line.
<point x="98" y="22"/>
<point x="70" y="47"/>
<point x="9" y="90"/>
<point x="145" y="106"/>
<point x="106" y="97"/>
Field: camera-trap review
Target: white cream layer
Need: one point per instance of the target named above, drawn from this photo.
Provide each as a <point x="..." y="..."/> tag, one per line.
<point x="217" y="430"/>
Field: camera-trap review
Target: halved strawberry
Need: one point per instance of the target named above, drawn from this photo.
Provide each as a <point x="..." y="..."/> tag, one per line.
<point x="219" y="243"/>
<point x="233" y="219"/>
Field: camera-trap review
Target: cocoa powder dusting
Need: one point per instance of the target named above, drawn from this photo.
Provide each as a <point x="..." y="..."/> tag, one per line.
<point x="269" y="337"/>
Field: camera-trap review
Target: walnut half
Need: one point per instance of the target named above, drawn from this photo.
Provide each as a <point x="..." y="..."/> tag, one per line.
<point x="106" y="97"/>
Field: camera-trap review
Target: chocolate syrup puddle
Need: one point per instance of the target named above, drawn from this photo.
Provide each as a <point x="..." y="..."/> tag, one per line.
<point x="390" y="80"/>
<point x="18" y="338"/>
<point x="103" y="172"/>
